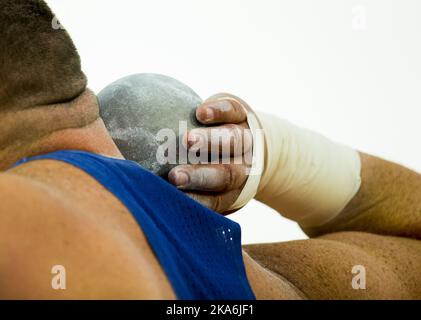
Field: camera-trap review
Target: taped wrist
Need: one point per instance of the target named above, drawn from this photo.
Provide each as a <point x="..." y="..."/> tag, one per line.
<point x="307" y="177"/>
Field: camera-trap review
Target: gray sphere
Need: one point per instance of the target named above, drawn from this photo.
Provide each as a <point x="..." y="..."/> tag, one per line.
<point x="137" y="107"/>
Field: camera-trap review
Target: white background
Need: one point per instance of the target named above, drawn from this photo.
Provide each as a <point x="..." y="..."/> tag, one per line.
<point x="350" y="70"/>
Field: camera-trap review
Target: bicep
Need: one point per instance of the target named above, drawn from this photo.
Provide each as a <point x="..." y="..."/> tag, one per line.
<point x="323" y="268"/>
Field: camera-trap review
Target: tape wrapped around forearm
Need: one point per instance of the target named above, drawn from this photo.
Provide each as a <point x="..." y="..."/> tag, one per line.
<point x="307" y="177"/>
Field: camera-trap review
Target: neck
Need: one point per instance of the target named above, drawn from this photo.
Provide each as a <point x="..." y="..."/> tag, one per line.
<point x="73" y="125"/>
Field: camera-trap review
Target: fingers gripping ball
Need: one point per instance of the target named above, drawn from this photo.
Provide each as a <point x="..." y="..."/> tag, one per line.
<point x="135" y="109"/>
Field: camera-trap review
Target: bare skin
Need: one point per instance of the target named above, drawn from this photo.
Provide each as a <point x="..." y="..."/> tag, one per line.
<point x="55" y="214"/>
<point x="52" y="213"/>
<point x="388" y="203"/>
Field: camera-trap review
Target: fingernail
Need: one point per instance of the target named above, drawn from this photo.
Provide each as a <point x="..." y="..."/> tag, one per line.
<point x="193" y="140"/>
<point x="224" y="105"/>
<point x="182" y="179"/>
<point x="210" y="114"/>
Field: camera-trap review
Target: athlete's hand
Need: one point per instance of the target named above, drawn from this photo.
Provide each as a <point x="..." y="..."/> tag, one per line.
<point x="217" y="185"/>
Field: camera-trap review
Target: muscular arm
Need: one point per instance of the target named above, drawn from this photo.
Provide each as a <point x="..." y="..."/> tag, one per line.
<point x="328" y="187"/>
<point x="321" y="268"/>
<point x="388" y="202"/>
<point x="324" y="186"/>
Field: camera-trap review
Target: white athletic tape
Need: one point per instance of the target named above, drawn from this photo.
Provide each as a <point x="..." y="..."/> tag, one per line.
<point x="307" y="178"/>
<point x="258" y="157"/>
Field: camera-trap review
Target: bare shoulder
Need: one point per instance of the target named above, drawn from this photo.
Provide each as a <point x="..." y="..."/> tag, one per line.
<point x="29" y="208"/>
<point x="324" y="267"/>
<point x="43" y="231"/>
<point x="23" y="195"/>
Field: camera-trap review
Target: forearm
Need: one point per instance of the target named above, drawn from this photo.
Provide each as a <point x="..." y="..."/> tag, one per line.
<point x="327" y="187"/>
<point x="307" y="177"/>
<point x="388" y="202"/>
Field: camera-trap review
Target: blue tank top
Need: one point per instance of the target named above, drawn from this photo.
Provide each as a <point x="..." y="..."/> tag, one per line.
<point x="199" y="250"/>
